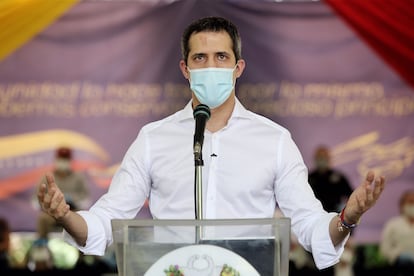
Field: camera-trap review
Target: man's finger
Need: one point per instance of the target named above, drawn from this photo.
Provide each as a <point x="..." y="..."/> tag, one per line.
<point x="48" y="197"/>
<point x="50" y="181"/>
<point x="41" y="192"/>
<point x="369" y="196"/>
<point x="56" y="201"/>
<point x="379" y="186"/>
<point x="369" y="178"/>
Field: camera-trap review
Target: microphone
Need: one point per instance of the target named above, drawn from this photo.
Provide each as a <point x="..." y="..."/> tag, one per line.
<point x="201" y="114"/>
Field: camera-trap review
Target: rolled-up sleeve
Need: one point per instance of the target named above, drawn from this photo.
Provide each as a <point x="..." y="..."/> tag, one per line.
<point x="325" y="254"/>
<point x="96" y="242"/>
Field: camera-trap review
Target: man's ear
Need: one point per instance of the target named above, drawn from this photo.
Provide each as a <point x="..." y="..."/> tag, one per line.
<point x="184" y="69"/>
<point x="241" y="64"/>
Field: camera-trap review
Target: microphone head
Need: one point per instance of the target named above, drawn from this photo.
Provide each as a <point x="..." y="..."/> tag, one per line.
<point x="201" y="110"/>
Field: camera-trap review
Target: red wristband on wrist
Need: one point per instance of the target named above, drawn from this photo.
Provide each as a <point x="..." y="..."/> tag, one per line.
<point x="343" y="224"/>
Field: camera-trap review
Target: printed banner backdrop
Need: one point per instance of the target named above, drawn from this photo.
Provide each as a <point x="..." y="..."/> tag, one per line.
<point x="93" y="78"/>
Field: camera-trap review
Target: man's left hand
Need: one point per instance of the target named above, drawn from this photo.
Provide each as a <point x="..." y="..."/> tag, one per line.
<point x="364" y="197"/>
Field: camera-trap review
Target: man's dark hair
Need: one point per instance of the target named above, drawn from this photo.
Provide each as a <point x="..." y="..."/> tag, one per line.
<point x="211" y="24"/>
<point x="64" y="153"/>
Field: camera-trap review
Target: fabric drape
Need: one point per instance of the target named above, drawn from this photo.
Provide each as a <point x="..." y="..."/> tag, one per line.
<point x="387" y="26"/>
<point x="20" y="20"/>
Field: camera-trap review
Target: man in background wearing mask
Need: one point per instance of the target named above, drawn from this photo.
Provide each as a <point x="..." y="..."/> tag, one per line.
<point x="330" y="185"/>
<point x="397" y="243"/>
<point x="251" y="163"/>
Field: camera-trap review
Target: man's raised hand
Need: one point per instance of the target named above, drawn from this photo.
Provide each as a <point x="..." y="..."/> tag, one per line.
<point x="51" y="198"/>
<point x="364" y="197"/>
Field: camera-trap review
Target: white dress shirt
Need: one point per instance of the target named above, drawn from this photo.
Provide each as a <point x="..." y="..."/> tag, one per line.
<point x="250" y="165"/>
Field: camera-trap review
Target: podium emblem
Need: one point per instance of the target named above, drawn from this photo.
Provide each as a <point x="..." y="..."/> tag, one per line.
<point x="202" y="260"/>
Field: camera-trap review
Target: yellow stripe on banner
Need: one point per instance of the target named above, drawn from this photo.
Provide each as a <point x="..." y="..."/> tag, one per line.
<point x="14" y="146"/>
<point x="21" y="20"/>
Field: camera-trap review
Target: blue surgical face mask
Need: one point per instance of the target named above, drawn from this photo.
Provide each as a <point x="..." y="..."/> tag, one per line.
<point x="212" y="86"/>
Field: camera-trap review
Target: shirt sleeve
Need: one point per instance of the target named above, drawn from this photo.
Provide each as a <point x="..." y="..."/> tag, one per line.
<point x="295" y="197"/>
<point x="96" y="242"/>
<point x="125" y="197"/>
<point x="325" y="254"/>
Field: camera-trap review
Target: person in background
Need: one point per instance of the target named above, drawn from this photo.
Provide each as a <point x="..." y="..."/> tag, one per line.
<point x="253" y="164"/>
<point x="330" y="185"/>
<point x="397" y="241"/>
<point x="4" y="247"/>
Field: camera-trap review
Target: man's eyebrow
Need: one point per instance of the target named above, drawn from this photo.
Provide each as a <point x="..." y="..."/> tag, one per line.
<point x="198" y="54"/>
<point x="223" y="53"/>
<point x="219" y="53"/>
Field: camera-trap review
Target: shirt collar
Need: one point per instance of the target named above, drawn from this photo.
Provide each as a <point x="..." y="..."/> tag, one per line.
<point x="239" y="111"/>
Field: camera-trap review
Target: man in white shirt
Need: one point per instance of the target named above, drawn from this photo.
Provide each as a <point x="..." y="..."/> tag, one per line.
<point x="250" y="165"/>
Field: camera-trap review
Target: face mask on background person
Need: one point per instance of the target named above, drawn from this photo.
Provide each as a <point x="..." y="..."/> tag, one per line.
<point x="212" y="86"/>
<point x="322" y="164"/>
<point x="408" y="210"/>
<point x="62" y="165"/>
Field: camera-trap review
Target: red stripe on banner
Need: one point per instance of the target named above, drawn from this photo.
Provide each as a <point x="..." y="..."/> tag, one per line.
<point x="21" y="182"/>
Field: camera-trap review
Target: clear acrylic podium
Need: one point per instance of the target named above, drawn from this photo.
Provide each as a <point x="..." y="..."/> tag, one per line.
<point x="244" y="247"/>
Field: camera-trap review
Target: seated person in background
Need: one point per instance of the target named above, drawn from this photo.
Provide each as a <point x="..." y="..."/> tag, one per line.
<point x="397" y="243"/>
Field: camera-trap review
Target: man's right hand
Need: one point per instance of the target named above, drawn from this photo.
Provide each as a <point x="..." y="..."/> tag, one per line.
<point x="51" y="198"/>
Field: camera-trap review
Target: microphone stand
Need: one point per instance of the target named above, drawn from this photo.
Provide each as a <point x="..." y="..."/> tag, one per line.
<point x="201" y="114"/>
<point x="198" y="162"/>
